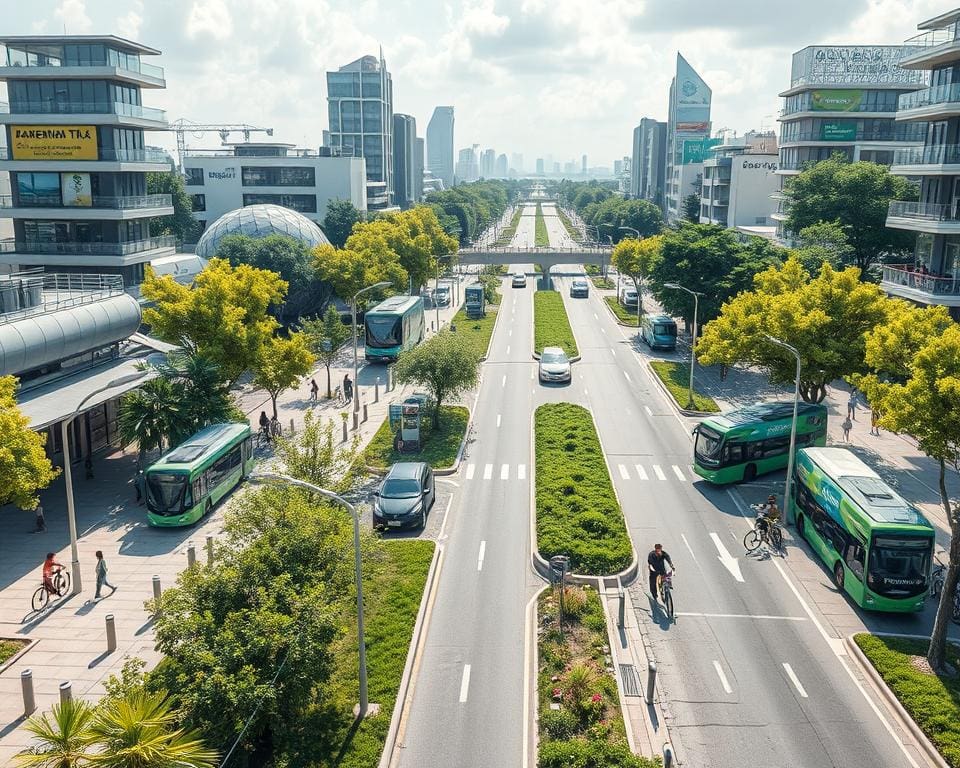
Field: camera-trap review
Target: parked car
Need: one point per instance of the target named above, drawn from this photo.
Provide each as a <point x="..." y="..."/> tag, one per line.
<point x="628" y="298"/>
<point x="519" y="280"/>
<point x="579" y="287"/>
<point x="441" y="296"/>
<point x="404" y="496"/>
<point x="554" y="365"/>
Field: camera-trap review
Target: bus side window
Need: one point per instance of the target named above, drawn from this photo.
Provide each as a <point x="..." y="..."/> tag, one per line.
<point x="776" y="446"/>
<point x="199" y="488"/>
<point x="854" y="558"/>
<point x="732" y="453"/>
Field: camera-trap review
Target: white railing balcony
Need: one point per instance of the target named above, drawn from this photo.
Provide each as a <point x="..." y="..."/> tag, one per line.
<point x="97" y="201"/>
<point x="937" y="154"/>
<point x="938" y="94"/>
<point x="903" y="209"/>
<point x="907" y="276"/>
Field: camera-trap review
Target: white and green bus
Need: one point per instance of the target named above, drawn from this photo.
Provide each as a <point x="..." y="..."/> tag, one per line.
<point x="878" y="546"/>
<point x="184" y="484"/>
<point x="393" y="326"/>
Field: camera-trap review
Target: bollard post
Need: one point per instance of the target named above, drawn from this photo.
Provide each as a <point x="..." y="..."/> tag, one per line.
<point x="111" y="633"/>
<point x="191" y="555"/>
<point x="356" y="420"/>
<point x="389" y="378"/>
<point x="26" y="686"/>
<point x="156" y="587"/>
<point x="621" y="607"/>
<point x="291" y="428"/>
<point x="376" y="390"/>
<point x="667" y="755"/>
<point x="209" y="550"/>
<point x="66" y="692"/>
<point x="364" y="411"/>
<point x="344" y="430"/>
<point x="651" y="680"/>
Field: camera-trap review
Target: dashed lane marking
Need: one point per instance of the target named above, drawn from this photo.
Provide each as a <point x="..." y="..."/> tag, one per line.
<point x="795" y="680"/>
<point x="716" y="665"/>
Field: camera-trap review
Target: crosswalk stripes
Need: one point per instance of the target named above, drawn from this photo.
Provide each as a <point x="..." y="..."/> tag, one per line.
<point x="470" y="470"/>
<point x="521" y="471"/>
<point x="659" y="472"/>
<point x="641" y="472"/>
<point x="505" y="472"/>
<point x="679" y="473"/>
<point x="623" y="470"/>
<point x="488" y="471"/>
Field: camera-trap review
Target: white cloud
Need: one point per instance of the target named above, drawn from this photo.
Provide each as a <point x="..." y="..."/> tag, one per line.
<point x="210" y="17"/>
<point x="72" y="16"/>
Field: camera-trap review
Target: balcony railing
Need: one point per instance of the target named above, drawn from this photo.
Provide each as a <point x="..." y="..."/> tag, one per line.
<point x="906" y="275"/>
<point x="907" y="133"/>
<point x="938" y="94"/>
<point x="142" y="67"/>
<point x="84" y="108"/>
<point x="94" y="249"/>
<point x="931" y="38"/>
<point x="98" y="201"/>
<point x="112" y="155"/>
<point x="938" y="154"/>
<point x="59" y="290"/>
<point x="903" y="209"/>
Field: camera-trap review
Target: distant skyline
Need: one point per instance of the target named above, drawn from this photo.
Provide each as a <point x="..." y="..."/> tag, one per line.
<point x="526" y="77"/>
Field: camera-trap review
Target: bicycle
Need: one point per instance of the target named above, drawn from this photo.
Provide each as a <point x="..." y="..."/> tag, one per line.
<point x="665" y="583"/>
<point x="937" y="579"/>
<point x="338" y="397"/>
<point x="763" y="530"/>
<point x="61" y="583"/>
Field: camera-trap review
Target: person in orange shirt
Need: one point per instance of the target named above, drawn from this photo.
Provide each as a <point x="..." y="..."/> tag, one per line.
<point x="48" y="565"/>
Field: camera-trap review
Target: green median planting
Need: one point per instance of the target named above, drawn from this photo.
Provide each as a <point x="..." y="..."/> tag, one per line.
<point x="540" y="236"/>
<point x="568" y="225"/>
<point x="477" y="330"/>
<point x="9" y="648"/>
<point x="551" y="327"/>
<point x="933" y="701"/>
<point x="578" y="514"/>
<point x="439" y="446"/>
<point x="676" y="378"/>
<point x="506" y="235"/>
<point x="625" y="316"/>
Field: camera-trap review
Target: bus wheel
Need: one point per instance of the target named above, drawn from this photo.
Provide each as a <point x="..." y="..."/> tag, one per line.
<point x="838" y="575"/>
<point x="749" y="473"/>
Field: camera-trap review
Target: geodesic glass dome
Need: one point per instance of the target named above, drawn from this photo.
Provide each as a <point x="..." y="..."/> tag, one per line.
<point x="260" y="221"/>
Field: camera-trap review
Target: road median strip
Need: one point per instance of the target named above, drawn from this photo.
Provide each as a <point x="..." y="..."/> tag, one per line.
<point x="440" y="447"/>
<point x="623" y="316"/>
<point x="674" y="378"/>
<point x="551" y="326"/>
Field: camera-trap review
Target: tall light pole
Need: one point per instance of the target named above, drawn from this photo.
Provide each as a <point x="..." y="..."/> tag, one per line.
<point x="793" y="425"/>
<point x="356" y="385"/>
<point x="436" y="292"/>
<point x="68" y="475"/>
<point x="276" y="477"/>
<point x="693" y="341"/>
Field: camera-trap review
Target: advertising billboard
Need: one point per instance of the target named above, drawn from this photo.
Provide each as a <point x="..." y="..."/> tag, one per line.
<point x="838" y="130"/>
<point x="75" y="189"/>
<point x="836" y="100"/>
<point x="697" y="150"/>
<point x="691" y="96"/>
<point x="53" y="142"/>
<point x="693" y="127"/>
<point x="854" y="64"/>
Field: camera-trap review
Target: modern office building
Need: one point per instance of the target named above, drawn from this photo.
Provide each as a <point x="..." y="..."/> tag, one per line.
<point x="843" y="99"/>
<point x="468" y="168"/>
<point x="934" y="275"/>
<point x="583" y="165"/>
<point x="516" y="162"/>
<point x="738" y="181"/>
<point x="261" y="173"/>
<point x="488" y="162"/>
<point x="431" y="183"/>
<point x="76" y="155"/>
<point x="419" y="158"/>
<point x="687" y="137"/>
<point x="501" y="169"/>
<point x="406" y="187"/>
<point x="647" y="166"/>
<point x="360" y="107"/>
<point x="540" y="166"/>
<point x="440" y="145"/>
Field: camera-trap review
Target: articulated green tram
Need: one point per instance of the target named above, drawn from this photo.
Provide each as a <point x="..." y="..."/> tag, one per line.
<point x="184" y="484"/>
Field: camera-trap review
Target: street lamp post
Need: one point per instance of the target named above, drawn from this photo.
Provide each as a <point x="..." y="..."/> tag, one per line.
<point x="793" y="425"/>
<point x="276" y="477"/>
<point x="353" y="304"/>
<point x="693" y="340"/>
<point x="68" y="475"/>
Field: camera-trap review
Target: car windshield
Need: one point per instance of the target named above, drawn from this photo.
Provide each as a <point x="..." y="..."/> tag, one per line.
<point x="519" y="276"/>
<point x="165" y="492"/>
<point x="708" y="444"/>
<point x="383" y="331"/>
<point x="397" y="488"/>
<point x="580" y="283"/>
<point x="553" y="357"/>
<point x="663" y="329"/>
<point x="898" y="567"/>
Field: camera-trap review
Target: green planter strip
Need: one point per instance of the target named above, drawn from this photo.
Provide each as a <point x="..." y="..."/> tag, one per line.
<point x="506" y="236"/>
<point x="439" y="449"/>
<point x="540" y="236"/>
<point x="551" y="327"/>
<point x="577" y="510"/>
<point x="676" y="378"/>
<point x="624" y="316"/>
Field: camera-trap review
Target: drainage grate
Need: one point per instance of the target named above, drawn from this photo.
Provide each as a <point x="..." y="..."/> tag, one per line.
<point x="631" y="683"/>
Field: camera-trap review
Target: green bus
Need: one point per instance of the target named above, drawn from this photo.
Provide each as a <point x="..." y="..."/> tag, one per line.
<point x="739" y="445"/>
<point x="184" y="484"/>
<point x="878" y="546"/>
<point x="659" y="332"/>
<point x="393" y="326"/>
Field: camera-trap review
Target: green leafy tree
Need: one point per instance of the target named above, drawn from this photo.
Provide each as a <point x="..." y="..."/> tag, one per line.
<point x="152" y="416"/>
<point x="325" y="337"/>
<point x="338" y="221"/>
<point x="826" y="318"/>
<point x="288" y="257"/>
<point x="690" y="208"/>
<point x="444" y="364"/>
<point x="281" y="364"/>
<point x="636" y="259"/>
<point x="315" y="454"/>
<point x="180" y="223"/>
<point x="204" y="394"/>
<point x="62" y="739"/>
<point x="24" y="466"/>
<point x="349" y="270"/>
<point x="616" y="216"/>
<point x="855" y="196"/>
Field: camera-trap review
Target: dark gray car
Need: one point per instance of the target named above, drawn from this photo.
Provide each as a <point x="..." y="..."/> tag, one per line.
<point x="404" y="497"/>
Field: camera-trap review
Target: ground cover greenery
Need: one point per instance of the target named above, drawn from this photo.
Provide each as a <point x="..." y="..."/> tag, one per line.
<point x="625" y="316"/>
<point x="540" y="236"/>
<point x="603" y="282"/>
<point x="551" y="327"/>
<point x="10" y="647"/>
<point x="439" y="445"/>
<point x="676" y="377"/>
<point x="446" y="365"/>
<point x="577" y="511"/>
<point x="477" y="331"/>
<point x="568" y="225"/>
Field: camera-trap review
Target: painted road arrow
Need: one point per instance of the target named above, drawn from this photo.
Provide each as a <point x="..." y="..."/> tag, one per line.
<point x="728" y="560"/>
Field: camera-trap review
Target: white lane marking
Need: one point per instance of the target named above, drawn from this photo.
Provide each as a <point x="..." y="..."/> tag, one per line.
<point x="716" y="666"/>
<point x="532" y="373"/>
<point x="627" y="375"/>
<point x="510" y="333"/>
<point x="603" y="330"/>
<point x="504" y="471"/>
<point x="521" y="471"/>
<point x="503" y="382"/>
<point x="641" y="472"/>
<point x="487" y="471"/>
<point x="726" y="559"/>
<point x="483" y="550"/>
<point x="623" y="472"/>
<point x="470" y="470"/>
<point x="498" y="421"/>
<point x="586" y="391"/>
<point x="659" y="472"/>
<point x="689" y="548"/>
<point x="647" y="409"/>
<point x="795" y="680"/>
<point x="595" y="316"/>
<point x="508" y="349"/>
<point x="628" y="412"/>
<point x="679" y="473"/>
<point x="614" y="351"/>
<point x="465" y="683"/>
<point x="698" y="614"/>
<point x="446" y="516"/>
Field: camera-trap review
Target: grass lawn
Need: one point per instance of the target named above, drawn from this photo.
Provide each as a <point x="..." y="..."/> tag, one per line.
<point x="477" y="330"/>
<point x="392" y="596"/>
<point x="540" y="237"/>
<point x="8" y="648"/>
<point x="677" y="378"/>
<point x="603" y="282"/>
<point x="589" y="721"/>
<point x="439" y="448"/>
<point x="932" y="701"/>
<point x="571" y="230"/>
<point x="577" y="511"/>
<point x="551" y="328"/>
<point x="506" y="235"/>
<point x="625" y="316"/>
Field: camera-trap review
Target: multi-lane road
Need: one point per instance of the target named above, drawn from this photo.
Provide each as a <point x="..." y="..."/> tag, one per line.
<point x="750" y="670"/>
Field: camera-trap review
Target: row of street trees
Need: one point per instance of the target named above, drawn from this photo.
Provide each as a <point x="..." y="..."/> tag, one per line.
<point x="466" y="210"/>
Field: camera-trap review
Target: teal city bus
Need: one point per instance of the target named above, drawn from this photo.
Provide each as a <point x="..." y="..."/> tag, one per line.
<point x="184" y="484"/>
<point x="741" y="444"/>
<point x="659" y="332"/>
<point x="392" y="327"/>
<point x="878" y="546"/>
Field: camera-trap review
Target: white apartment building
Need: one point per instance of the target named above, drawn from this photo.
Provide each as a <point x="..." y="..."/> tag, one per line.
<point x="738" y="181"/>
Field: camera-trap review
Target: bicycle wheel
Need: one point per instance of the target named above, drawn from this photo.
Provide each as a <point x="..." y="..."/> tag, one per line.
<point x="61" y="582"/>
<point x="752" y="540"/>
<point x="776" y="537"/>
<point x="40" y="599"/>
<point x="668" y="602"/>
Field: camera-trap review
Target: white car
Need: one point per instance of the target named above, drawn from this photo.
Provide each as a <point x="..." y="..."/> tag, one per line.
<point x="519" y="280"/>
<point x="554" y="365"/>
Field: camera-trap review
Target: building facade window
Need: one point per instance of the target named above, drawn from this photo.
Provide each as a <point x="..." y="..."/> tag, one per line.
<point x="194" y="177"/>
<point x="278" y="176"/>
<point x="198" y="202"/>
<point x="299" y="203"/>
<point x="38" y="188"/>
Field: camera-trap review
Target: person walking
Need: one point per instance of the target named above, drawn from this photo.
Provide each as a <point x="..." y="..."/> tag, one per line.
<point x="852" y="405"/>
<point x="314" y="390"/>
<point x="41" y="522"/>
<point x="102" y="576"/>
<point x="265" y="425"/>
<point x="846" y="426"/>
<point x="874" y="423"/>
<point x="138" y="484"/>
<point x="347" y="387"/>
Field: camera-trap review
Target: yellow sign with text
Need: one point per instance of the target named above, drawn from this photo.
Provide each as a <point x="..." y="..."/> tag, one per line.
<point x="54" y="142"/>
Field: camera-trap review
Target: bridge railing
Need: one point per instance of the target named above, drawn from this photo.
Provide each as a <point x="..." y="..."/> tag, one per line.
<point x="540" y="249"/>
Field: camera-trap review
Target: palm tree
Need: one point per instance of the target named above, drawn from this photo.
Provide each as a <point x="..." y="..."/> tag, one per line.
<point x="151" y="415"/>
<point x="63" y="740"/>
<point x="206" y="396"/>
<point x="138" y="731"/>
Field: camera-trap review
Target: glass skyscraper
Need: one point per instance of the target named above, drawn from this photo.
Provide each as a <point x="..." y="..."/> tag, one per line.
<point x="440" y="145"/>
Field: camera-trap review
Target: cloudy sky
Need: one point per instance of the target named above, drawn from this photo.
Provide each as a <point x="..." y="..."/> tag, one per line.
<point x="539" y="77"/>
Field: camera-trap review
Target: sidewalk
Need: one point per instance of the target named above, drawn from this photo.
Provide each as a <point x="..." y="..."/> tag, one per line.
<point x="70" y="638"/>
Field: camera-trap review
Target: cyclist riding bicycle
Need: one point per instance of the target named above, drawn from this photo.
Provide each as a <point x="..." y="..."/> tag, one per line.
<point x="656" y="563"/>
<point x="48" y="565"/>
<point x="768" y="513"/>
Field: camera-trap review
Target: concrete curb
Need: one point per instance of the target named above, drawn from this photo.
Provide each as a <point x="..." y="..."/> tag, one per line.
<point x="672" y="399"/>
<point x="390" y="743"/>
<point x="30" y="642"/>
<point x="891" y="700"/>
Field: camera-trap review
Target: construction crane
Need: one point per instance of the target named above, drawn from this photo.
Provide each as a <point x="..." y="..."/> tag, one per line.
<point x="183" y="127"/>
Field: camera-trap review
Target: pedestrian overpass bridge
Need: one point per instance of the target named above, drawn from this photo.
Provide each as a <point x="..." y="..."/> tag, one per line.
<point x="545" y="257"/>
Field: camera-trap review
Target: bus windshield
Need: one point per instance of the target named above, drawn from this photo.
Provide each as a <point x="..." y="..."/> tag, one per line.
<point x="384" y="331"/>
<point x="898" y="567"/>
<point x="165" y="492"/>
<point x="708" y="444"/>
<point x="663" y="329"/>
